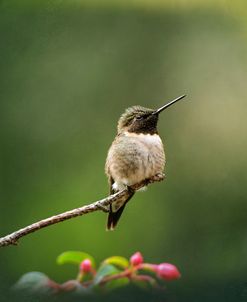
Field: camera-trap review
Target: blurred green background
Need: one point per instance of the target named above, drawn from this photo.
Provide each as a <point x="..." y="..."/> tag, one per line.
<point x="68" y="69"/>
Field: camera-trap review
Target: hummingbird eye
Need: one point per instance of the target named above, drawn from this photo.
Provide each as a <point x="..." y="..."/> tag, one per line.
<point x="139" y="117"/>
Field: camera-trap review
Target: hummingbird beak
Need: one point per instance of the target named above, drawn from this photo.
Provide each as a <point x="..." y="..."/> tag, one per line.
<point x="169" y="104"/>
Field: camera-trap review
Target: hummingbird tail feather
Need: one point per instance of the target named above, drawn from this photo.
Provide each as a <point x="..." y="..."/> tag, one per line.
<point x="113" y="217"/>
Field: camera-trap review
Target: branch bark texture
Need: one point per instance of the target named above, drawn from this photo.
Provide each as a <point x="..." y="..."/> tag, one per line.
<point x="12" y="239"/>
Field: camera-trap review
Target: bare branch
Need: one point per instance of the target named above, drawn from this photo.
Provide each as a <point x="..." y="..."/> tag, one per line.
<point x="12" y="239"/>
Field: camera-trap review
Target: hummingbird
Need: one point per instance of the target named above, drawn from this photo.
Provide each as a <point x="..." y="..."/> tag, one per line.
<point x="135" y="155"/>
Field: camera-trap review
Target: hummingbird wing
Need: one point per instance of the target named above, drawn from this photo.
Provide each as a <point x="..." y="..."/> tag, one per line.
<point x="111" y="182"/>
<point x="113" y="217"/>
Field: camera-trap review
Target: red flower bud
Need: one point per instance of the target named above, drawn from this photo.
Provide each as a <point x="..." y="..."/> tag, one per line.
<point x="168" y="271"/>
<point x="136" y="259"/>
<point x="86" y="266"/>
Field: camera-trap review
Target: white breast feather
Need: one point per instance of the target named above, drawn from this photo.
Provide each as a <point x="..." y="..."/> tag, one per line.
<point x="149" y="139"/>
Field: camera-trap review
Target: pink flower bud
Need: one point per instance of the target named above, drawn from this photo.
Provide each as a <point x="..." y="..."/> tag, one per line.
<point x="168" y="271"/>
<point x="136" y="259"/>
<point x="86" y="266"/>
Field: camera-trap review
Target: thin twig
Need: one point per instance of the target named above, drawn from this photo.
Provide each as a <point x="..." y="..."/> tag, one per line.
<point x="12" y="239"/>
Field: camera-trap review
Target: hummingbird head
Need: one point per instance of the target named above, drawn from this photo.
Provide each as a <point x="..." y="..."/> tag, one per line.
<point x="139" y="119"/>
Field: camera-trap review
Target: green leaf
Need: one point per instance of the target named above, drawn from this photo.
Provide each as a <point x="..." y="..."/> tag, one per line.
<point x="118" y="283"/>
<point x="74" y="257"/>
<point x="33" y="282"/>
<point x="117" y="261"/>
<point x="103" y="271"/>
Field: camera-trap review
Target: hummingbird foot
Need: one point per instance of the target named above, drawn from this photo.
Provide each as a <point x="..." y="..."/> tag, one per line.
<point x="130" y="190"/>
<point x="142" y="189"/>
<point x="158" y="177"/>
<point x="143" y="184"/>
<point x="102" y="208"/>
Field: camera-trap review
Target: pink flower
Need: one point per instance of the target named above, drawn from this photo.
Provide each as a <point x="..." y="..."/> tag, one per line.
<point x="136" y="259"/>
<point x="86" y="266"/>
<point x="167" y="271"/>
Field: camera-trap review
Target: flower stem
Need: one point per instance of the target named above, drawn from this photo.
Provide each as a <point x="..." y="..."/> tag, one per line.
<point x="124" y="274"/>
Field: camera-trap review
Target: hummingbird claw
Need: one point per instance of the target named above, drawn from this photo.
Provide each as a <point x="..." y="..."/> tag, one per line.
<point x="102" y="208"/>
<point x="131" y="190"/>
<point x="158" y="177"/>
